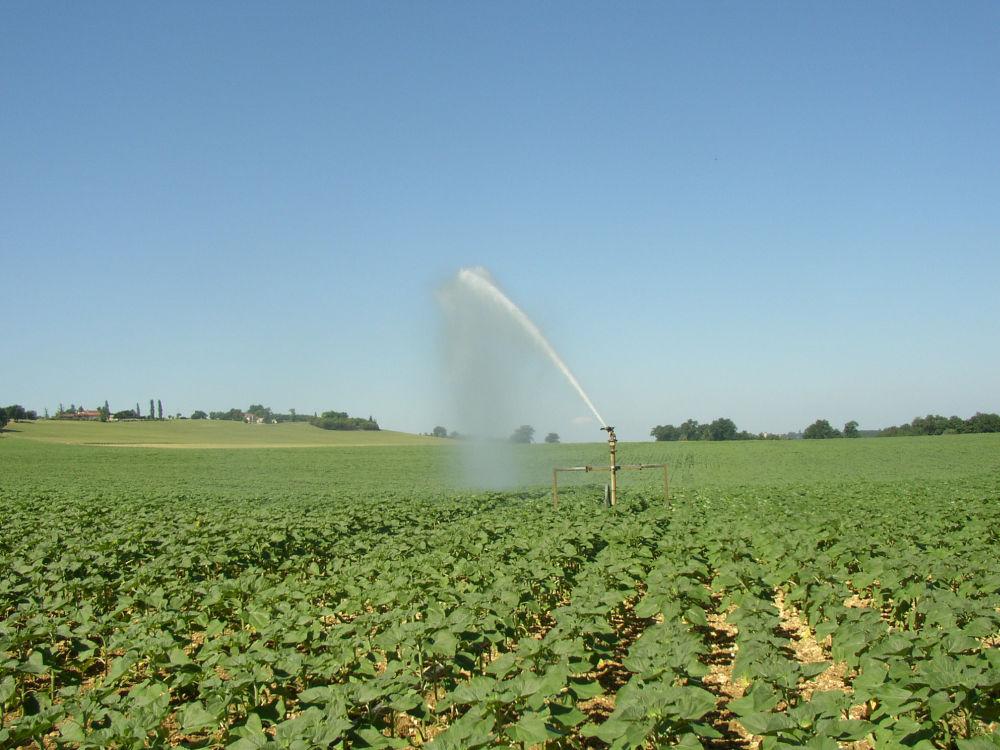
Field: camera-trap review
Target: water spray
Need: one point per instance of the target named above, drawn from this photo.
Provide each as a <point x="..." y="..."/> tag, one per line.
<point x="479" y="281"/>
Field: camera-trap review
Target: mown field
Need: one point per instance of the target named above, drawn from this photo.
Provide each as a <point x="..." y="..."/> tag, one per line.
<point x="822" y="594"/>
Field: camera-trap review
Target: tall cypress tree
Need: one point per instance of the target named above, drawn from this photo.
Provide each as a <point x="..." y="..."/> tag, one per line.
<point x="138" y="414"/>
<point x="159" y="409"/>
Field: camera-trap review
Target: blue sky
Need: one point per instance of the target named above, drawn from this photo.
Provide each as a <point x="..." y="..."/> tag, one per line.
<point x="772" y="211"/>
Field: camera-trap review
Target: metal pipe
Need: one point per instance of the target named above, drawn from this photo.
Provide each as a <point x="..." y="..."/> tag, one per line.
<point x="613" y="446"/>
<point x="614" y="470"/>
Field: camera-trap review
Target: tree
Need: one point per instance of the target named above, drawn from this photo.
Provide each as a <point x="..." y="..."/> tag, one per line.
<point x="820" y="430"/>
<point x="981" y="422"/>
<point x="523" y="434"/>
<point x="552" y="437"/>
<point x="159" y="409"/>
<point x="722" y="429"/>
<point x="3" y="418"/>
<point x="339" y="420"/>
<point x="932" y="424"/>
<point x="138" y="414"/>
<point x="16" y="412"/>
<point x="233" y="415"/>
<point x="439" y="431"/>
<point x="105" y="411"/>
<point x="690" y="430"/>
<point x="199" y="414"/>
<point x="259" y="411"/>
<point x="152" y="414"/>
<point x="126" y="414"/>
<point x="851" y="429"/>
<point x="665" y="432"/>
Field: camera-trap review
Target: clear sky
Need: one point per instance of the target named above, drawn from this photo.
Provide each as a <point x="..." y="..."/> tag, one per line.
<point x="768" y="211"/>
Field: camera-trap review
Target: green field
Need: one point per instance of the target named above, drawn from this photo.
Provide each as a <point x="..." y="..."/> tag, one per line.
<point x="304" y="591"/>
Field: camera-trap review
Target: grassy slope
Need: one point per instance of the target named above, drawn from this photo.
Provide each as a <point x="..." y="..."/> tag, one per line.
<point x="186" y="433"/>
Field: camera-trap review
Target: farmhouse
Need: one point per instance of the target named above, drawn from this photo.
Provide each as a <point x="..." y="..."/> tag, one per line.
<point x="91" y="415"/>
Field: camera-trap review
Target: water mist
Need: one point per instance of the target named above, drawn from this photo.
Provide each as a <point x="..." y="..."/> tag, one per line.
<point x="500" y="372"/>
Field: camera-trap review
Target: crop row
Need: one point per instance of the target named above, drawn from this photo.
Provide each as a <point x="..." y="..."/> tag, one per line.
<point x="394" y="620"/>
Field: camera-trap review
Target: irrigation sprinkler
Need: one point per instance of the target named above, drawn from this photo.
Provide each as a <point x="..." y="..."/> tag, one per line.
<point x="611" y="490"/>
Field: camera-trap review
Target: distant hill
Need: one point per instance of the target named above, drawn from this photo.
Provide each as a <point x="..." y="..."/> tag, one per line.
<point x="203" y="433"/>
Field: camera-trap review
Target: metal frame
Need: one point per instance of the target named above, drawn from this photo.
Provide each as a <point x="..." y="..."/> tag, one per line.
<point x="614" y="473"/>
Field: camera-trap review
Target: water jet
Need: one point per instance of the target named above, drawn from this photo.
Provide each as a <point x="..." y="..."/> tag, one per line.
<point x="479" y="282"/>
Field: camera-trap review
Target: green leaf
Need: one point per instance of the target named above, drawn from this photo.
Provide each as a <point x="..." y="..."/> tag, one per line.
<point x="690" y="741"/>
<point x="119" y="667"/>
<point x="502" y="666"/>
<point x="7" y="688"/>
<point x="71" y="731"/>
<point x="178" y="657"/>
<point x="567" y="716"/>
<point x="370" y="737"/>
<point x="982" y="742"/>
<point x="609" y="730"/>
<point x="472" y="730"/>
<point x="258" y="619"/>
<point x="760" y="698"/>
<point x="940" y="704"/>
<point x="195" y="718"/>
<point x="477" y="690"/>
<point x="585" y="689"/>
<point x="813" y="669"/>
<point x="532" y="729"/>
<point x="845" y="730"/>
<point x="822" y="743"/>
<point x="696" y="616"/>
<point x="33" y="664"/>
<point x="706" y="730"/>
<point x="254" y="724"/>
<point x="445" y="643"/>
<point x="693" y="702"/>
<point x="767" y="723"/>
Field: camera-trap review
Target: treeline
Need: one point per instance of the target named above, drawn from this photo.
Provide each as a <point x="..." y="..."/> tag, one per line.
<point x="15" y="413"/>
<point x="821" y="429"/>
<point x="339" y="420"/>
<point x="718" y="429"/>
<point x="255" y="412"/>
<point x="932" y="424"/>
<point x="104" y="413"/>
<point x="328" y="420"/>
<point x="935" y="424"/>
